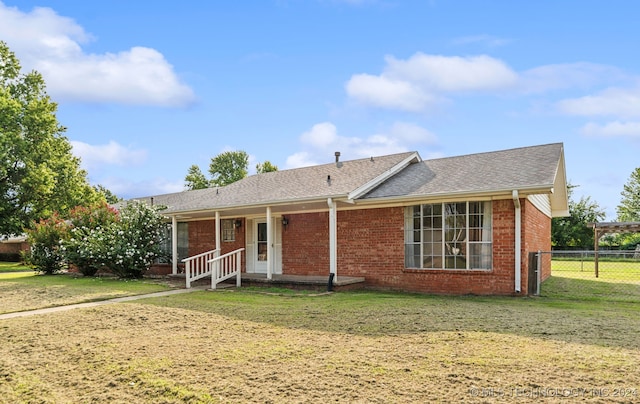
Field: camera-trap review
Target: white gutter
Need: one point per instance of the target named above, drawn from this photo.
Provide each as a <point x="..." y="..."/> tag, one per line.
<point x="333" y="243"/>
<point x="518" y="238"/>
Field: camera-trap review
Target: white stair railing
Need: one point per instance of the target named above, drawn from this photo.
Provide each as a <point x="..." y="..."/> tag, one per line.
<point x="197" y="267"/>
<point x="226" y="266"/>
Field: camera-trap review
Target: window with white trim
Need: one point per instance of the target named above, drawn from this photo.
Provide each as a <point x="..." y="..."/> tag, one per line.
<point x="183" y="243"/>
<point x="228" y="230"/>
<point x="449" y="236"/>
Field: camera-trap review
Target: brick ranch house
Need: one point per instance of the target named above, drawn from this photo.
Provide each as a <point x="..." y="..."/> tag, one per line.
<point x="457" y="225"/>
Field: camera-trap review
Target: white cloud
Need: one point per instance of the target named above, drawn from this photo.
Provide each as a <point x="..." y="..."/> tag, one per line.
<point x="322" y="141"/>
<point x="381" y="91"/>
<point x="93" y="156"/>
<point x="321" y="135"/>
<point x="301" y="159"/>
<point x="620" y="102"/>
<point x="566" y="76"/>
<point x="52" y="45"/>
<point x="452" y="73"/>
<point x="127" y="189"/>
<point x="613" y="129"/>
<point x="424" y="80"/>
<point x="412" y="133"/>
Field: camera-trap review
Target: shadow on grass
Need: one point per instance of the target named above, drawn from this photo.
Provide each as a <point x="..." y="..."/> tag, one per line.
<point x="387" y="314"/>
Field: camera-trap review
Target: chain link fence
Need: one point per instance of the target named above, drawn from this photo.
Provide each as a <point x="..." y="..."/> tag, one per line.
<point x="615" y="276"/>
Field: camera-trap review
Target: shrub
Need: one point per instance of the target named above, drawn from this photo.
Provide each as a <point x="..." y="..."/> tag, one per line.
<point x="131" y="244"/>
<point x="84" y="246"/>
<point x="46" y="253"/>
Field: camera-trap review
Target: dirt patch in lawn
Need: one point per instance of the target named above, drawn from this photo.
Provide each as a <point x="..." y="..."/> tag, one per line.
<point x="130" y="353"/>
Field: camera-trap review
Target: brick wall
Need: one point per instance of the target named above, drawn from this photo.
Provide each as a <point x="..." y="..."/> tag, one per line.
<point x="305" y="244"/>
<point x="536" y="236"/>
<point x="202" y="238"/>
<point x="13" y="248"/>
<point x="371" y="245"/>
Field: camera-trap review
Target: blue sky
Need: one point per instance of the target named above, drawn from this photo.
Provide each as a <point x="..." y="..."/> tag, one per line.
<point x="148" y="88"/>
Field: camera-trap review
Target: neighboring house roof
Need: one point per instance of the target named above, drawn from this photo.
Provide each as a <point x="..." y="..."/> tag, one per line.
<point x="531" y="170"/>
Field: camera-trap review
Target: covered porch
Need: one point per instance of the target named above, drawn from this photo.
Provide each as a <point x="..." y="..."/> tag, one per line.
<point x="257" y="256"/>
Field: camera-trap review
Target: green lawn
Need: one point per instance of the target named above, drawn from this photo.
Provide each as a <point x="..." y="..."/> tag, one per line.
<point x="610" y="271"/>
<point x="618" y="281"/>
<point x="257" y="345"/>
<point x="13" y="267"/>
<point x="21" y="291"/>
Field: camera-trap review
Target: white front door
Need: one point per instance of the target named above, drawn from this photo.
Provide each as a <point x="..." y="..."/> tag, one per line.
<point x="262" y="248"/>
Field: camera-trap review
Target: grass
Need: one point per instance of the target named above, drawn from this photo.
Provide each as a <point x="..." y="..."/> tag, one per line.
<point x="13" y="267"/>
<point x="618" y="281"/>
<point x="29" y="291"/>
<point x="611" y="271"/>
<point x="257" y="345"/>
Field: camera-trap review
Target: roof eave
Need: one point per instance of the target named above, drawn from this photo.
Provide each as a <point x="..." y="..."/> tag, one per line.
<point x="495" y="193"/>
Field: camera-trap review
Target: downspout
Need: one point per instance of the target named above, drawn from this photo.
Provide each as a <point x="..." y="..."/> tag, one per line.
<point x="518" y="239"/>
<point x="332" y="240"/>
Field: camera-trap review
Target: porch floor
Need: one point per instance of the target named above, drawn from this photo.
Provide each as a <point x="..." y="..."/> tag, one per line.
<point x="301" y="279"/>
<point x="290" y="281"/>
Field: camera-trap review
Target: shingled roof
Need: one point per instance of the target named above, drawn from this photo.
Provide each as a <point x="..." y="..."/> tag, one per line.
<point x="530" y="170"/>
<point x="526" y="168"/>
<point x="334" y="180"/>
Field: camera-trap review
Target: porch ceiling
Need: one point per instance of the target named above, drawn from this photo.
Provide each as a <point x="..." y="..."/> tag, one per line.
<point x="249" y="211"/>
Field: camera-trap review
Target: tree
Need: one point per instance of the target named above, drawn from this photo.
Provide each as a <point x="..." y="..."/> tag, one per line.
<point x="38" y="173"/>
<point x="228" y="167"/>
<point x="195" y="179"/>
<point x="265" y="167"/>
<point x="573" y="231"/>
<point x="629" y="208"/>
<point x="108" y="196"/>
<point x="225" y="168"/>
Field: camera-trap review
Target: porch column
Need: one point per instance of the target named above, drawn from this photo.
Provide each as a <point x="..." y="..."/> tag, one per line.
<point x="174" y="245"/>
<point x="269" y="243"/>
<point x="333" y="242"/>
<point x="218" y="231"/>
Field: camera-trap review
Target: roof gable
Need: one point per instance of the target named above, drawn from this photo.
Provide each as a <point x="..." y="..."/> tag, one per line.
<point x="535" y="169"/>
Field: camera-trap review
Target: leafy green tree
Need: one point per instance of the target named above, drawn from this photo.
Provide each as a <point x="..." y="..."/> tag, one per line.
<point x="573" y="231"/>
<point x="228" y="167"/>
<point x="265" y="167"/>
<point x="38" y="173"/>
<point x="629" y="208"/>
<point x="195" y="179"/>
<point x="106" y="194"/>
<point x="225" y="168"/>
